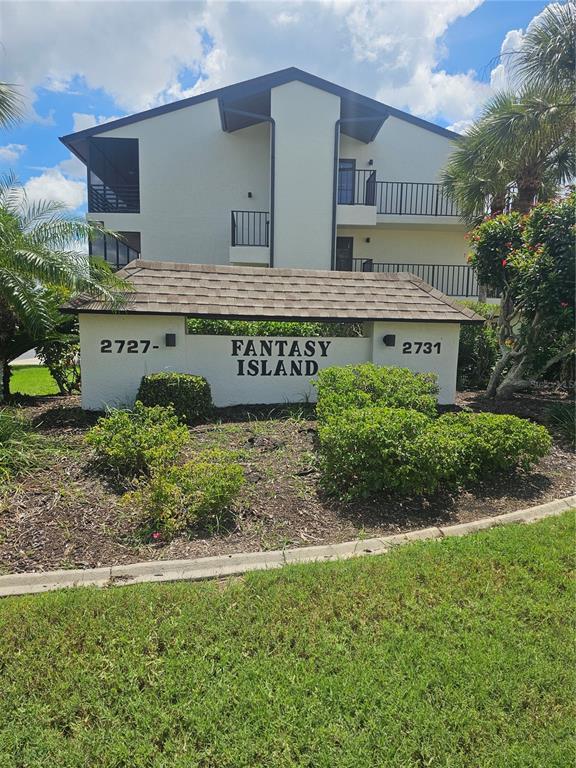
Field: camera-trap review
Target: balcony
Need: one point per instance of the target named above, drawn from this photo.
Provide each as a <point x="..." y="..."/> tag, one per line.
<point x="456" y="280"/>
<point x="250" y="237"/>
<point x="113" y="176"/>
<point x="359" y="189"/>
<point x="122" y="198"/>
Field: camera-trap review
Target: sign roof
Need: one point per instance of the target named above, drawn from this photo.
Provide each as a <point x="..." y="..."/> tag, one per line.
<point x="203" y="290"/>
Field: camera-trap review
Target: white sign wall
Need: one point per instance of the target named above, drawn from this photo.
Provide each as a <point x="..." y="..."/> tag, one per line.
<point x="117" y="350"/>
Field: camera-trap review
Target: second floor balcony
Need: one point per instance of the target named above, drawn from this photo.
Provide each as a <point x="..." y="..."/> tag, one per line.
<point x="393" y="198"/>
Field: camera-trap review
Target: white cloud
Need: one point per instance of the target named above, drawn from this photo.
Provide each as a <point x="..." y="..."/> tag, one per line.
<point x="500" y="77"/>
<point x="136" y="52"/>
<point x="11" y="153"/>
<point x="285" y="18"/>
<point x="53" y="185"/>
<point x="82" y="120"/>
<point x="460" y="126"/>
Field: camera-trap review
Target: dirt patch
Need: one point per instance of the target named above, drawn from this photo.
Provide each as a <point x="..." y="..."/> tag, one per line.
<point x="67" y="516"/>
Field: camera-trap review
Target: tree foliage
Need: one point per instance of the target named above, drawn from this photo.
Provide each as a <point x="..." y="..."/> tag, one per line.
<point x="522" y="149"/>
<point x="531" y="260"/>
<point x="42" y="249"/>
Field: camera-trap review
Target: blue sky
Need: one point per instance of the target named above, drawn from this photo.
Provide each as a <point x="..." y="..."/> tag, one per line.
<point x="84" y="62"/>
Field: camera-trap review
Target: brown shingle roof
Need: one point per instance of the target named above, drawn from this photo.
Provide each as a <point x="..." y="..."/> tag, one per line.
<point x="203" y="290"/>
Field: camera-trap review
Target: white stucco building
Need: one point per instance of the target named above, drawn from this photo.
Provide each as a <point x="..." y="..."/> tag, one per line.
<point x="285" y="170"/>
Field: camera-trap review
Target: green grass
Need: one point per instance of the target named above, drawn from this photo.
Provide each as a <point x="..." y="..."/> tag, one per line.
<point x="32" y="380"/>
<point x="456" y="653"/>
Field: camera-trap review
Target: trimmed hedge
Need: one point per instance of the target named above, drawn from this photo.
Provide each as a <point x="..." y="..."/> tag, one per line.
<point x="132" y="442"/>
<point x="364" y="451"/>
<point x="204" y="326"/>
<point x="189" y="395"/>
<point x="367" y="384"/>
<point x="176" y="498"/>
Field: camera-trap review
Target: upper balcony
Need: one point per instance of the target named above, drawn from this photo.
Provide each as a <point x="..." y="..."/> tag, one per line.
<point x="250" y="237"/>
<point x="361" y="198"/>
<point x="113" y="176"/>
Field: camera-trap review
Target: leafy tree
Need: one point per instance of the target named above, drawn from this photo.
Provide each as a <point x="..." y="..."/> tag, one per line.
<point x="531" y="260"/>
<point x="41" y="249"/>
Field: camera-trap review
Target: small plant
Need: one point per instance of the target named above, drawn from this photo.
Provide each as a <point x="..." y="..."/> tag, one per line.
<point x="562" y="418"/>
<point x="366" y="385"/>
<point x="189" y="395"/>
<point x="22" y="449"/>
<point x="177" y="498"/>
<point x="366" y="450"/>
<point x="133" y="442"/>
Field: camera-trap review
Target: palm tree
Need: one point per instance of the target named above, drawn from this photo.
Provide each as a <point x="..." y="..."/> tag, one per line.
<point x="521" y="149"/>
<point x="41" y="248"/>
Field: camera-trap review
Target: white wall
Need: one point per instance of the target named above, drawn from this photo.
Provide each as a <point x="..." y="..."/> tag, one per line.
<point x="443" y="363"/>
<point x="416" y="245"/>
<point x="192" y="175"/>
<point x="305" y="122"/>
<point x="401" y="152"/>
<point x="112" y="378"/>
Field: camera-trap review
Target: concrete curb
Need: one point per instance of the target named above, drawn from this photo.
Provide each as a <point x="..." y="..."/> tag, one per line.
<point x="237" y="564"/>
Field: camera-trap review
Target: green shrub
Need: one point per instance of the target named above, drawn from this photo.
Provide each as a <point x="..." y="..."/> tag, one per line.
<point x="133" y="442"/>
<point x="195" y="493"/>
<point x="200" y="325"/>
<point x="366" y="450"/>
<point x="189" y="395"/>
<point x="491" y="443"/>
<point x="365" y="385"/>
<point x="562" y="418"/>
<point x="478" y="349"/>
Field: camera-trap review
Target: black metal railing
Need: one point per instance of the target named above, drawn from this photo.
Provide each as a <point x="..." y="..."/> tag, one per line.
<point x="451" y="279"/>
<point x="250" y="228"/>
<point x="400" y="198"/>
<point x="114" y="251"/>
<point x="356" y="187"/>
<point x="411" y="198"/>
<point x="122" y="198"/>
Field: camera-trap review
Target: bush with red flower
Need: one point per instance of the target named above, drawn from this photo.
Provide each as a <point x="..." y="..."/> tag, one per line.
<point x="530" y="260"/>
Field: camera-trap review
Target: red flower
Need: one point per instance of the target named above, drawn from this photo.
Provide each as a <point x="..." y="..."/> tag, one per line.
<point x="156" y="535"/>
<point x="504" y="262"/>
<point x="563" y="304"/>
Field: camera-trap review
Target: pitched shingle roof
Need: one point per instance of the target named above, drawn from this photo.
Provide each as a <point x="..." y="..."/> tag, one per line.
<point x="202" y="290"/>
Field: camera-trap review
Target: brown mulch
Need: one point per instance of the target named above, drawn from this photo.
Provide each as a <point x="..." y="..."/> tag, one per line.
<point x="67" y="516"/>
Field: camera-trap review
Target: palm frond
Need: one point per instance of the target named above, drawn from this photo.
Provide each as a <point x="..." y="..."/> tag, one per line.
<point x="547" y="57"/>
<point x="11" y="107"/>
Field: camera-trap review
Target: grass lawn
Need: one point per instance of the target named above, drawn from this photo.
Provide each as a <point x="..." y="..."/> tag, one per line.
<point x="456" y="653"/>
<point x="32" y="380"/>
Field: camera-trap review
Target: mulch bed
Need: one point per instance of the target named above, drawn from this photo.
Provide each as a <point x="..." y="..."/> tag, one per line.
<point x="68" y="516"/>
